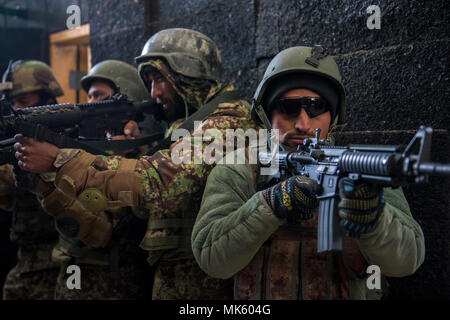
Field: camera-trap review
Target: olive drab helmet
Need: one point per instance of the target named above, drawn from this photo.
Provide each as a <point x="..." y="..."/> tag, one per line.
<point x="187" y="52"/>
<point x="24" y="76"/>
<point x="122" y="76"/>
<point x="302" y="67"/>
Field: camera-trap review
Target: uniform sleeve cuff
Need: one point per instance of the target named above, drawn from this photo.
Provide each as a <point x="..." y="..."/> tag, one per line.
<point x="64" y="156"/>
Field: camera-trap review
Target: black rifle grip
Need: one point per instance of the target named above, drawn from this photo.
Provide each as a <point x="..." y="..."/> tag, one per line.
<point x="329" y="233"/>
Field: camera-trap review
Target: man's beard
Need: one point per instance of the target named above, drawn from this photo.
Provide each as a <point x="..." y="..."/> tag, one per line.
<point x="176" y="111"/>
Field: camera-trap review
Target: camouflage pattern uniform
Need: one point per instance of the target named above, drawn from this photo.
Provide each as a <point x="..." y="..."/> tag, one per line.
<point x="171" y="192"/>
<point x="34" y="276"/>
<point x="8" y="249"/>
<point x="117" y="269"/>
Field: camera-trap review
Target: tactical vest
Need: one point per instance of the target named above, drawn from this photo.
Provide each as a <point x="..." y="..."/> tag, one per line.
<point x="288" y="266"/>
<point x="175" y="244"/>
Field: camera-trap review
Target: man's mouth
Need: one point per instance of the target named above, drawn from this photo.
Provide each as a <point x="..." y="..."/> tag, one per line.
<point x="296" y="140"/>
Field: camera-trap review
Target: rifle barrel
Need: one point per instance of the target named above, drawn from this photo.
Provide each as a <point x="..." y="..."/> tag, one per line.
<point x="434" y="168"/>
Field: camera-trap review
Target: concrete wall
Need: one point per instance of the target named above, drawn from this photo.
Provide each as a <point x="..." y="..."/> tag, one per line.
<point x="396" y="78"/>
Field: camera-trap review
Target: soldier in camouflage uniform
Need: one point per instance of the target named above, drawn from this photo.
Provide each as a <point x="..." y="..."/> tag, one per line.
<point x="116" y="270"/>
<point x="111" y="76"/>
<point x="182" y="69"/>
<point x="25" y="84"/>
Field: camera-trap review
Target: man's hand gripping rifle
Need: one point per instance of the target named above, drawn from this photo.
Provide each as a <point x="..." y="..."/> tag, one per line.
<point x="386" y="166"/>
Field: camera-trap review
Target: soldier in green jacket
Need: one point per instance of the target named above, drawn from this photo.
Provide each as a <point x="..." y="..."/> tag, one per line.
<point x="182" y="70"/>
<point x="265" y="234"/>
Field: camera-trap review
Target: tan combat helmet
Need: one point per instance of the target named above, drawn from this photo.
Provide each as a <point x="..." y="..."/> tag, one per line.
<point x="302" y="67"/>
<point x="122" y="76"/>
<point x="29" y="76"/>
<point x="187" y="52"/>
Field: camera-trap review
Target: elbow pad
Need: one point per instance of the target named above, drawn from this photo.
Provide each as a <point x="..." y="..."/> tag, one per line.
<point x="74" y="221"/>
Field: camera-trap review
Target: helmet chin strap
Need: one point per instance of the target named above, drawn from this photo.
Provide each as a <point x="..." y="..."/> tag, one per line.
<point x="262" y="116"/>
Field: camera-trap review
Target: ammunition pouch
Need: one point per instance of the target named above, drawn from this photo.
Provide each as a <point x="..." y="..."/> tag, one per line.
<point x="168" y="239"/>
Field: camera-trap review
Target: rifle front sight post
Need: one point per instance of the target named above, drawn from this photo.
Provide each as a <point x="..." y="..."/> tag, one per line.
<point x="318" y="130"/>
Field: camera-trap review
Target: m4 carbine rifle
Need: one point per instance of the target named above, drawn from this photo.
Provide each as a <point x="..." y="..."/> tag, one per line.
<point x="326" y="164"/>
<point x="84" y="126"/>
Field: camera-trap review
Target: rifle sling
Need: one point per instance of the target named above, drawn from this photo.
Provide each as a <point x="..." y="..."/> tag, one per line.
<point x="199" y="115"/>
<point x="122" y="144"/>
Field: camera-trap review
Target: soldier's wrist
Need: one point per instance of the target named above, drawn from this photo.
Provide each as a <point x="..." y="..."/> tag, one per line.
<point x="269" y="196"/>
<point x="265" y="199"/>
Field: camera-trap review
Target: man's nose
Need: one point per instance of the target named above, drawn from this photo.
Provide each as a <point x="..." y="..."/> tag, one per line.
<point x="303" y="121"/>
<point x="155" y="92"/>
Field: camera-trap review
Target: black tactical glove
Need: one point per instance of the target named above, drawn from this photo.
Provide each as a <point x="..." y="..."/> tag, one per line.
<point x="293" y="199"/>
<point x="360" y="207"/>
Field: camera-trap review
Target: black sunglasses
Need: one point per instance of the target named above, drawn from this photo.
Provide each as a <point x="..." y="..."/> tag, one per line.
<point x="293" y="106"/>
